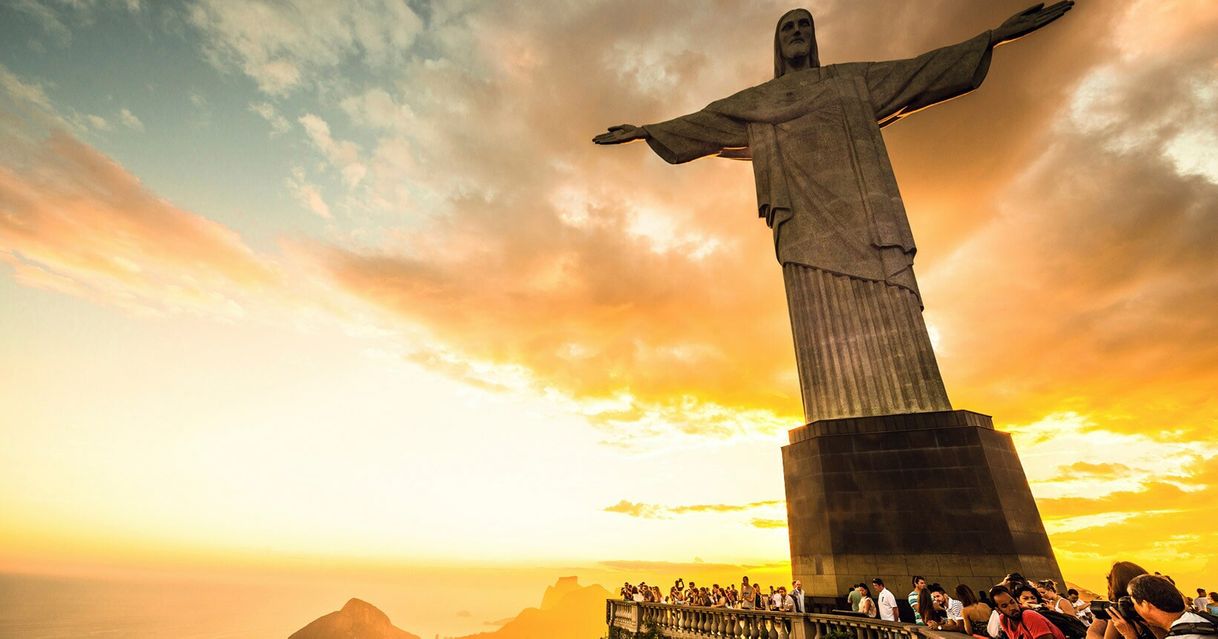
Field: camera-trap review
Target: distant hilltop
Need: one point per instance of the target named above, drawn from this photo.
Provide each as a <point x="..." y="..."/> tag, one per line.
<point x="568" y="611"/>
<point x="356" y="619"/>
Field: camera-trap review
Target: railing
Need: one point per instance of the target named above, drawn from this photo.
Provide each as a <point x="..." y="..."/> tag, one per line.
<point x="690" y="622"/>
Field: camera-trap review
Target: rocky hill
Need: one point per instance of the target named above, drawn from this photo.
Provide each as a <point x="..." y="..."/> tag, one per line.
<point x="357" y="620"/>
<point x="568" y="611"/>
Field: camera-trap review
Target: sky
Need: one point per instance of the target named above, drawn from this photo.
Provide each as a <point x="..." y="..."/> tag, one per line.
<point x="302" y="284"/>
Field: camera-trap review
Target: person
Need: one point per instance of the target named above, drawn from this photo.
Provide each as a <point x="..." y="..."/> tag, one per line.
<point x="775" y="598"/>
<point x="1161" y="605"/>
<point x="826" y="188"/>
<point x="854" y="597"/>
<point x="952" y="616"/>
<point x="866" y="603"/>
<point x="919" y="585"/>
<point x="797" y="593"/>
<point x="1048" y="592"/>
<point x="926" y="612"/>
<point x="975" y="614"/>
<point x="1201" y="602"/>
<point x="759" y="598"/>
<point x="788" y="604"/>
<point x="886" y="602"/>
<point x="746" y="595"/>
<point x="1213" y="602"/>
<point x="1019" y="623"/>
<point x="1012" y="582"/>
<point x="1029" y="598"/>
<point x="1119" y="576"/>
<point x="1082" y="609"/>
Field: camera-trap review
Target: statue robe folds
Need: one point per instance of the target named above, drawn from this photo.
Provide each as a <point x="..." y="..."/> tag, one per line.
<point x="826" y="188"/>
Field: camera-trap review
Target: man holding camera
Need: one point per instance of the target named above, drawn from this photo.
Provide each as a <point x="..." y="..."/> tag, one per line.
<point x="1161" y="605"/>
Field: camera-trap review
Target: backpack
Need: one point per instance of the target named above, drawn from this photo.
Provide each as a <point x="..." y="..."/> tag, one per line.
<point x="1207" y="627"/>
<point x="1072" y="627"/>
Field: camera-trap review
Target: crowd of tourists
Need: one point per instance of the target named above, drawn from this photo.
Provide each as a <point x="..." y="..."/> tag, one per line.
<point x="1140" y="605"/>
<point x="747" y="597"/>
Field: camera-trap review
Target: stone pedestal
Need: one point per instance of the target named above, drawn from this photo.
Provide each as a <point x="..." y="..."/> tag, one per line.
<point x="942" y="495"/>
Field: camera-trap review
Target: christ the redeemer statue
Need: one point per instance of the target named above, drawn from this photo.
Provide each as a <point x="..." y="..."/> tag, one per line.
<point x="826" y="188"/>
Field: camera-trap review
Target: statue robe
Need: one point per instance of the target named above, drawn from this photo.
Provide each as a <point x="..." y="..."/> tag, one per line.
<point x="826" y="188"/>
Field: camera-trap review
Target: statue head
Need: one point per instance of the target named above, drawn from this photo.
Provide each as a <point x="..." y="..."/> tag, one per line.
<point x="795" y="42"/>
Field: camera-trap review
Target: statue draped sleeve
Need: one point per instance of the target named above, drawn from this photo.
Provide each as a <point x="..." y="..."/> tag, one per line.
<point x="899" y="88"/>
<point x="696" y="135"/>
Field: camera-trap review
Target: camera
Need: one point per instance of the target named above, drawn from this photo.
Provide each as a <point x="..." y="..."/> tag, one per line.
<point x="1124" y="607"/>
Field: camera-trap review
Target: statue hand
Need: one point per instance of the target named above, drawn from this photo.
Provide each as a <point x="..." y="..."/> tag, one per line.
<point x="1028" y="20"/>
<point x="621" y="133"/>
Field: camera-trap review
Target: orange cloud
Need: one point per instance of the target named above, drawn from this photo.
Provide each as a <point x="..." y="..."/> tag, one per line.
<point x="657" y="511"/>
<point x="73" y="220"/>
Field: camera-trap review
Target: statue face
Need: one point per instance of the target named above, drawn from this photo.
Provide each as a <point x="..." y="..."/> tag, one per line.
<point x="795" y="35"/>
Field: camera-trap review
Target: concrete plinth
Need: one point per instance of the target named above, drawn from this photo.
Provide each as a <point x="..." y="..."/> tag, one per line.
<point x="940" y="494"/>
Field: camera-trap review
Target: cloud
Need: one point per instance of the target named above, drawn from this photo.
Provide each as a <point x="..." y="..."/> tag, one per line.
<point x="308" y="194"/>
<point x="97" y="122"/>
<point x="672" y="567"/>
<point x="129" y="120"/>
<point x="279" y="124"/>
<point x="283" y="45"/>
<point x="769" y="523"/>
<point x="77" y="222"/>
<point x="657" y="511"/>
<point x="342" y="154"/>
<point x="73" y="220"/>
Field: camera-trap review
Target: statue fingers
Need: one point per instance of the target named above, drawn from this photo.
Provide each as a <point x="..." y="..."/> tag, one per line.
<point x="1032" y="9"/>
<point x="1046" y="18"/>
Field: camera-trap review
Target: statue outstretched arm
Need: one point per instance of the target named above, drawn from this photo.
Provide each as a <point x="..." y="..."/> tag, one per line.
<point x="899" y="88"/>
<point x="685" y="138"/>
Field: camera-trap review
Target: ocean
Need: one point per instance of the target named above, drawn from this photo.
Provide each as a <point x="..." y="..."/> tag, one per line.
<point x="42" y="607"/>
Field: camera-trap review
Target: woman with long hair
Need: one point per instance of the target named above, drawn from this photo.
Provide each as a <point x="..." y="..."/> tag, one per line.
<point x="1119" y="577"/>
<point x="866" y="604"/>
<point x="928" y="615"/>
<point x="976" y="613"/>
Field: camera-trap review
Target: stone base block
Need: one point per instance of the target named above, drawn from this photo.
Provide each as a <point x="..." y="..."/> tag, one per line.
<point x="939" y="494"/>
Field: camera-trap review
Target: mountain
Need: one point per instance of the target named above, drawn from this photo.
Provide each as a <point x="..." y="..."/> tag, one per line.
<point x="357" y="620"/>
<point x="561" y="588"/>
<point x="568" y="611"/>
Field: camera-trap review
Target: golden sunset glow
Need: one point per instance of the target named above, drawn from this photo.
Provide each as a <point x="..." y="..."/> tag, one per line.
<point x="344" y="289"/>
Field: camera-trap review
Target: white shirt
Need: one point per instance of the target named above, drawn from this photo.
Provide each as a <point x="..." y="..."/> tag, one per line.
<point x="788" y="604"/>
<point x="995" y="625"/>
<point x="1189" y="617"/>
<point x="955" y="609"/>
<point x="1201" y="603"/>
<point x="888" y="605"/>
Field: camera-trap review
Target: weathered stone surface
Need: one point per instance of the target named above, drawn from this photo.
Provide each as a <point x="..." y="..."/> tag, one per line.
<point x="936" y="494"/>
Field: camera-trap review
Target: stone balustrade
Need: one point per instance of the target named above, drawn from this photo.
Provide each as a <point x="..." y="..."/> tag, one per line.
<point x="690" y="622"/>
